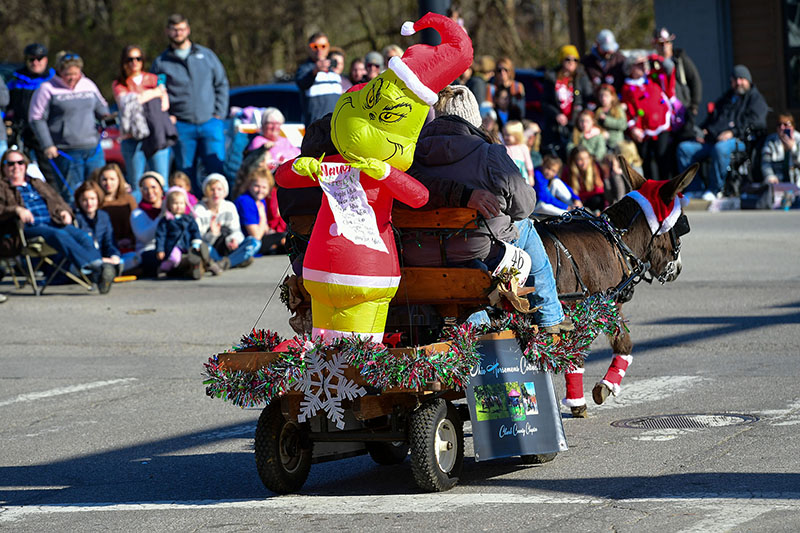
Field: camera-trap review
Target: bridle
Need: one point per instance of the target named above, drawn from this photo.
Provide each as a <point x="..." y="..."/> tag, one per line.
<point x="638" y="267"/>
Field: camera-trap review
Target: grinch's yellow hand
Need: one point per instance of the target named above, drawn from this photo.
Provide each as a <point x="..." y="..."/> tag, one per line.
<point x="374" y="168"/>
<point x="308" y="166"/>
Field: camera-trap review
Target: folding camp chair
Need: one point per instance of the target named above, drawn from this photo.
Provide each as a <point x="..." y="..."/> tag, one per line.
<point x="37" y="249"/>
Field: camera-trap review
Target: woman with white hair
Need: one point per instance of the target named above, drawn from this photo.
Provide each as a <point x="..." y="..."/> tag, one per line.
<point x="279" y="148"/>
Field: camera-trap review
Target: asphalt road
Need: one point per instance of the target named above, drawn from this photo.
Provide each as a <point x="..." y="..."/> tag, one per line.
<point x="104" y="424"/>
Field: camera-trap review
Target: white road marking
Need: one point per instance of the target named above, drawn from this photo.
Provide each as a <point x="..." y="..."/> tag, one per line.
<point x="784" y="417"/>
<point x="648" y="390"/>
<point x="416" y="503"/>
<point x="33" y="396"/>
<point x="727" y="519"/>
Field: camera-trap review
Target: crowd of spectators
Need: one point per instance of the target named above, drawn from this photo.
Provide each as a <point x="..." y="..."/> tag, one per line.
<point x="160" y="217"/>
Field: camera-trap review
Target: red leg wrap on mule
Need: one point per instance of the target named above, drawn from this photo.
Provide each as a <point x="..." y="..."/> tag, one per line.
<point x="615" y="373"/>
<point x="574" y="388"/>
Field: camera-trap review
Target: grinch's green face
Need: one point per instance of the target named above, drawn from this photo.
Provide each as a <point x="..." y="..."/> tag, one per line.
<point x="381" y="121"/>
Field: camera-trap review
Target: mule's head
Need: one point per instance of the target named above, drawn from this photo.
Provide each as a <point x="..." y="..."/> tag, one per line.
<point x="653" y="214"/>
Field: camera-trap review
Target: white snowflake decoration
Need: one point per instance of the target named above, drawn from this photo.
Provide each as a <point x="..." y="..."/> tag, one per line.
<point x="324" y="385"/>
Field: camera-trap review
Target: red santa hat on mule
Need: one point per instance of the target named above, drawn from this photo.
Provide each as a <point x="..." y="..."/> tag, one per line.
<point x="660" y="216"/>
<point x="426" y="69"/>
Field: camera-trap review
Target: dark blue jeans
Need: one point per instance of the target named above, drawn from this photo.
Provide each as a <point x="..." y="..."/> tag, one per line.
<point x="75" y="167"/>
<point x="73" y="243"/>
<point x="209" y="139"/>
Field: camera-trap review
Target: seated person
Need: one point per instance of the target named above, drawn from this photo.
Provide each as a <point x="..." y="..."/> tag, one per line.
<point x="279" y="148"/>
<point x="144" y="221"/>
<point x="179" y="247"/>
<point x="181" y="179"/>
<point x="45" y="214"/>
<point x="258" y="211"/>
<point x="453" y="147"/>
<point x="553" y="196"/>
<point x="220" y="227"/>
<point x="97" y="223"/>
<point x="118" y="204"/>
<point x="780" y="156"/>
<point x="583" y="175"/>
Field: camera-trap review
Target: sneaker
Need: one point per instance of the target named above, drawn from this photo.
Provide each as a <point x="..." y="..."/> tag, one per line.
<point x="107" y="274"/>
<point x="224" y="263"/>
<point x="246" y="263"/>
<point x="3" y="298"/>
<point x="709" y="196"/>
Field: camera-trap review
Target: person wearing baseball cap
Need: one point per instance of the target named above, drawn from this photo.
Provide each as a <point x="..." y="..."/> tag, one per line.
<point x="741" y="110"/>
<point x="21" y="86"/>
<point x="687" y="82"/>
<point x="604" y="64"/>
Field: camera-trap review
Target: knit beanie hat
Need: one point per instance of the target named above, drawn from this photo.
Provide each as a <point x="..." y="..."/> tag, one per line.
<point x="568" y="50"/>
<point x="741" y="71"/>
<point x="211" y="178"/>
<point x="458" y="100"/>
<point x="151" y="174"/>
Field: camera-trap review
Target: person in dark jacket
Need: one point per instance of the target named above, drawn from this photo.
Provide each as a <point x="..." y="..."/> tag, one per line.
<point x="320" y="87"/>
<point x="198" y="99"/>
<point x="453" y="147"/>
<point x="740" y="109"/>
<point x="21" y="86"/>
<point x="567" y="92"/>
<point x="96" y="222"/>
<point x="604" y="64"/>
<point x="45" y="214"/>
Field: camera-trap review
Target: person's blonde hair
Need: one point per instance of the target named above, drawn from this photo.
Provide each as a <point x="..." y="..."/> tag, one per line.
<point x="592" y="176"/>
<point x="66" y="59"/>
<point x="513" y="130"/>
<point x="577" y="134"/>
<point x="181" y="179"/>
<point x="256" y="173"/>
<point x="121" y="191"/>
<point x="617" y="110"/>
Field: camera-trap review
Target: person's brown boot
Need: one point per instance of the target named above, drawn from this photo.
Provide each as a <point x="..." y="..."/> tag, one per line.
<point x="563" y="327"/>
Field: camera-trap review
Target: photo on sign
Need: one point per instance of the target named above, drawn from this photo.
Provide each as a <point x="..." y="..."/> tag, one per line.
<point x="491" y="402"/>
<point x="516" y="406"/>
<point x="529" y="398"/>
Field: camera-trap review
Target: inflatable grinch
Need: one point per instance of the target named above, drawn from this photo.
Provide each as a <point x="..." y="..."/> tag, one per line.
<point x="350" y="268"/>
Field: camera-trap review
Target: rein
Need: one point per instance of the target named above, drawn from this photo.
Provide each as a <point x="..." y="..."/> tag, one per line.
<point x="636" y="267"/>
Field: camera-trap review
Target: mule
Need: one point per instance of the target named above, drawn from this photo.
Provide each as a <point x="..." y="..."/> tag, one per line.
<point x="589" y="257"/>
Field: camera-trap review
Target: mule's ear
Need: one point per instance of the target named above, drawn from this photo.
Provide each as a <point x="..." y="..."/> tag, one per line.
<point x="678" y="183"/>
<point x="635" y="180"/>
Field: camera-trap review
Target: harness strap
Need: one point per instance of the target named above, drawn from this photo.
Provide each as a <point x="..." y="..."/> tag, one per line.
<point x="563" y="249"/>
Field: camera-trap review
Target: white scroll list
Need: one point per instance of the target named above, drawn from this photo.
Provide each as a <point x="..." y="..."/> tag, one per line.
<point x="355" y="218"/>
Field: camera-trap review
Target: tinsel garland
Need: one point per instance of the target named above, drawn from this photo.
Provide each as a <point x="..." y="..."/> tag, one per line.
<point x="414" y="368"/>
<point x="591" y="317"/>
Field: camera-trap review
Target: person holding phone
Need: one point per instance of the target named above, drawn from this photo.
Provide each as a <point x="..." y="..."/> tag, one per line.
<point x="780" y="156"/>
<point x="320" y="88"/>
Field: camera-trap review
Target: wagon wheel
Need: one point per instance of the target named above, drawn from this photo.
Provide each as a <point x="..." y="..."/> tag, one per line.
<point x="283" y="453"/>
<point x="538" y="458"/>
<point x="436" y="435"/>
<point x="388" y="453"/>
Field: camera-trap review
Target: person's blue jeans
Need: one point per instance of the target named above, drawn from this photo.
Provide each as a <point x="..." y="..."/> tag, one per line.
<point x="206" y="141"/>
<point x="250" y="245"/>
<point x="75" y="166"/>
<point x="720" y="153"/>
<point x="71" y="242"/>
<point x="541" y="277"/>
<point x="135" y="161"/>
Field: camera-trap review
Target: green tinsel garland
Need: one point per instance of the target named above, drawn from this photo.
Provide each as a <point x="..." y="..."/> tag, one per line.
<point x="382" y="369"/>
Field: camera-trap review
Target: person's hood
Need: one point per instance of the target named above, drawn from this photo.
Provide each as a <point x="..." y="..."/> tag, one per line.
<point x="446" y="140"/>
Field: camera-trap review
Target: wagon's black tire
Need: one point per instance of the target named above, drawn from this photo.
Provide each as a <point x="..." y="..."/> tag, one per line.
<point x="436" y="435"/>
<point x="283" y="453"/>
<point x="388" y="453"/>
<point x="538" y="458"/>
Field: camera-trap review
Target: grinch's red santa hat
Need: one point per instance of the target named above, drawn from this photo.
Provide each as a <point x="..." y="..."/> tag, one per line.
<point x="425" y="69"/>
<point x="661" y="216"/>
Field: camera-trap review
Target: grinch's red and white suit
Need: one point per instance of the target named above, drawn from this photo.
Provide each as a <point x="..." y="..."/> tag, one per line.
<point x="352" y="284"/>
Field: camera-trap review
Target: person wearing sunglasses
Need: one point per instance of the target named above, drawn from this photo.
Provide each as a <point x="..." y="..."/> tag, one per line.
<point x="780" y="156"/>
<point x="198" y="100"/>
<point x="319" y="86"/>
<point x="566" y="94"/>
<point x="142" y="96"/>
<point x="63" y="115"/>
<point x="504" y="78"/>
<point x="21" y="85"/>
<point x="43" y="213"/>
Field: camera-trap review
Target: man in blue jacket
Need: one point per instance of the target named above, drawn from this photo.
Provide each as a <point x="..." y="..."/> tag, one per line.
<point x="741" y="108"/>
<point x="198" y="99"/>
<point x="21" y="86"/>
